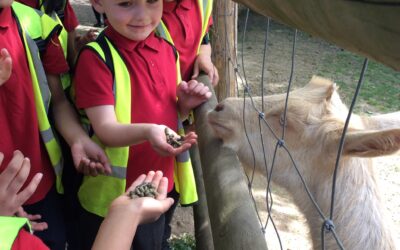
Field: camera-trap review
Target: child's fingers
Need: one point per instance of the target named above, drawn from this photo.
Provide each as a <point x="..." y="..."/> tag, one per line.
<point x="156" y="179"/>
<point x="30" y="189"/>
<point x="99" y="168"/>
<point x="196" y="71"/>
<point x="19" y="180"/>
<point x="162" y="188"/>
<point x="92" y="169"/>
<point x="39" y="226"/>
<point x="166" y="204"/>
<point x="105" y="163"/>
<point x="215" y="79"/>
<point x="4" y="53"/>
<point x="149" y="177"/>
<point x="12" y="169"/>
<point x="190" y="136"/>
<point x="33" y="217"/>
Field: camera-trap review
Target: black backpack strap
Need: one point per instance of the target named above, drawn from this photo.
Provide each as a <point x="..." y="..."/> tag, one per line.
<point x="101" y="40"/>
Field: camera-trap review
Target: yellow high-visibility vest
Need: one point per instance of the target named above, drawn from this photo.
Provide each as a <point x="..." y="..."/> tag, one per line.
<point x="107" y="188"/>
<point x="37" y="28"/>
<point x="9" y="230"/>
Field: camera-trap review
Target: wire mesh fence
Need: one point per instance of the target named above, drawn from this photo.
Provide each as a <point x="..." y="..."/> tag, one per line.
<point x="269" y="75"/>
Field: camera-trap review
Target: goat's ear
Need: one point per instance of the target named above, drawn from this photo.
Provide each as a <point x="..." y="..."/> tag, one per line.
<point x="372" y="143"/>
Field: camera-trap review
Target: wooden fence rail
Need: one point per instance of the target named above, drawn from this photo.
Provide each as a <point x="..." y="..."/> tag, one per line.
<point x="231" y="211"/>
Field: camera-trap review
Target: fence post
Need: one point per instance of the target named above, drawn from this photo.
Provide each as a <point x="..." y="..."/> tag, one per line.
<point x="224" y="43"/>
<point x="232" y="213"/>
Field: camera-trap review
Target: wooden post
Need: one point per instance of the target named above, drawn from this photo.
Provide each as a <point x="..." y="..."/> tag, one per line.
<point x="224" y="43"/>
<point x="232" y="213"/>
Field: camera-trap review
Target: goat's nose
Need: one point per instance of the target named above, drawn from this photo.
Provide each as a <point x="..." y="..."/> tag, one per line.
<point x="219" y="107"/>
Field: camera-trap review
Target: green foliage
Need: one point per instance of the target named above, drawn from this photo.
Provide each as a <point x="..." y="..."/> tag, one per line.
<point x="183" y="242"/>
<point x="380" y="91"/>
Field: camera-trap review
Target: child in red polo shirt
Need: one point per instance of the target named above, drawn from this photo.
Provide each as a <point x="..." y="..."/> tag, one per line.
<point x="151" y="64"/>
<point x="183" y="19"/>
<point x="19" y="126"/>
<point x="65" y="12"/>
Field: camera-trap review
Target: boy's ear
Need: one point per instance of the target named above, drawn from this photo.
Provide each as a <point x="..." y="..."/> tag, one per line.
<point x="97" y="5"/>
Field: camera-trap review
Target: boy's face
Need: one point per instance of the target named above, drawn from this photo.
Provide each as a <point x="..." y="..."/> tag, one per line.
<point x="134" y="19"/>
<point x="5" y="3"/>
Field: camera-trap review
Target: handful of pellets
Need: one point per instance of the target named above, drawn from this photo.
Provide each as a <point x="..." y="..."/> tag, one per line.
<point x="175" y="142"/>
<point x="146" y="189"/>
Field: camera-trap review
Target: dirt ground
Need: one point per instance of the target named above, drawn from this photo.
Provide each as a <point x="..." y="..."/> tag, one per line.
<point x="290" y="222"/>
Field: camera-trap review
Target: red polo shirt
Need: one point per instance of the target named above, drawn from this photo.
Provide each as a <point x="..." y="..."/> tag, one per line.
<point x="70" y="21"/>
<point x="151" y="66"/>
<point x="183" y="20"/>
<point x="18" y="120"/>
<point x="26" y="240"/>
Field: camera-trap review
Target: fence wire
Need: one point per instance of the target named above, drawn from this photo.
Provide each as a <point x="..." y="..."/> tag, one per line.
<point x="328" y="223"/>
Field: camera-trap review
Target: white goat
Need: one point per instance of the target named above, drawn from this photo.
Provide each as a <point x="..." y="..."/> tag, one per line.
<point x="315" y="120"/>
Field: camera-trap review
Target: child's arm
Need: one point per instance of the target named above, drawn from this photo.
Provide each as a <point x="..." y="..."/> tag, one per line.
<point x="125" y="214"/>
<point x="76" y="42"/>
<point x="114" y="134"/>
<point x="88" y="157"/>
<point x="190" y="95"/>
<point x="5" y="66"/>
<point x="203" y="63"/>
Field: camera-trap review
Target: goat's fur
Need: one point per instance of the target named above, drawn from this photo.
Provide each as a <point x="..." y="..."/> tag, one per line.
<point x="315" y="120"/>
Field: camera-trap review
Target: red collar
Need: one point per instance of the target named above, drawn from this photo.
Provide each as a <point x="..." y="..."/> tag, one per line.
<point x="126" y="44"/>
<point x="6" y="18"/>
<point x="182" y="4"/>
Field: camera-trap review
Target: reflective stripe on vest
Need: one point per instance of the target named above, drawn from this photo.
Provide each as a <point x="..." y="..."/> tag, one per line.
<point x="9" y="230"/>
<point x="205" y="9"/>
<point x="108" y="188"/>
<point x="43" y="27"/>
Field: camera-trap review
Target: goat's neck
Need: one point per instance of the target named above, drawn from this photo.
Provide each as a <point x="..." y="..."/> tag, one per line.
<point x="358" y="212"/>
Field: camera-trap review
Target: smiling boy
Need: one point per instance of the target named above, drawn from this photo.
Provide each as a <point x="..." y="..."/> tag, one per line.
<point x="129" y="104"/>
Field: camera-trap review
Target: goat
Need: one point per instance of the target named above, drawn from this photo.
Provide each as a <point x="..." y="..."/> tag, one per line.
<point x="314" y="124"/>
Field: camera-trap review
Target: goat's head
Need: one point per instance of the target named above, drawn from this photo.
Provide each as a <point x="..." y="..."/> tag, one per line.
<point x="315" y="119"/>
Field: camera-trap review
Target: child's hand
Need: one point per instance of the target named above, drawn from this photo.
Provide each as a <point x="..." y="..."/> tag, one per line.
<point x="203" y="63"/>
<point x="5" y="66"/>
<point x="89" y="158"/>
<point x="88" y="37"/>
<point x="190" y="95"/>
<point x="158" y="141"/>
<point x="146" y="208"/>
<point x="11" y="181"/>
<point x="35" y="225"/>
